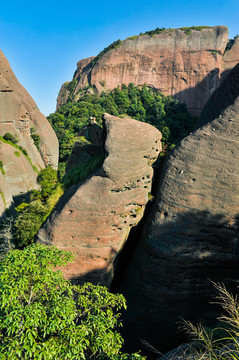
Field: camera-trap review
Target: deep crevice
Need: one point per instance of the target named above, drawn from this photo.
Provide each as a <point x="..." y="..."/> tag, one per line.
<point x="123" y="258"/>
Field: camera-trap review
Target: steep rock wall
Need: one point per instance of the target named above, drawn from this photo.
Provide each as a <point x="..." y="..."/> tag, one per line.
<point x="188" y="67"/>
<point x="18" y="114"/>
<point x="190" y="236"/>
<point x="93" y="219"/>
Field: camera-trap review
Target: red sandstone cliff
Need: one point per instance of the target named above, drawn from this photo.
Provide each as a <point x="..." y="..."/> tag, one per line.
<point x="188" y="67"/>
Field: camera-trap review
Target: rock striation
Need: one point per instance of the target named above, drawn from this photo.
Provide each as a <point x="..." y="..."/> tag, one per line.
<point x="18" y="115"/>
<point x="93" y="218"/>
<point x="190" y="235"/>
<point x="185" y="64"/>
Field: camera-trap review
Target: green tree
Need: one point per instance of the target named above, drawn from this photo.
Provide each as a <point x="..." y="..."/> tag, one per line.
<point x="28" y="222"/>
<point x="47" y="178"/>
<point x="44" y="316"/>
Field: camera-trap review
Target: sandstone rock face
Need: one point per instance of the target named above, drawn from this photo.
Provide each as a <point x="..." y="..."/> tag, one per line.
<point x="190" y="235"/>
<point x="18" y="114"/>
<point x="231" y="57"/>
<point x="19" y="176"/>
<point x="94" y="218"/>
<point x="188" y="67"/>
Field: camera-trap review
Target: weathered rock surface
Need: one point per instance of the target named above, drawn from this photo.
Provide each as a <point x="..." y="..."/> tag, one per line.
<point x="94" y="218"/>
<point x="190" y="235"/>
<point x="18" y="114"/>
<point x="19" y="176"/>
<point x="188" y="67"/>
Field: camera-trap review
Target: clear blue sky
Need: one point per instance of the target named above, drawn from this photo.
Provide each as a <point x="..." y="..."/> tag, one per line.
<point x="43" y="40"/>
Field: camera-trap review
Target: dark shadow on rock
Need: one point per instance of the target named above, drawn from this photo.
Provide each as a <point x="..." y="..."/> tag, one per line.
<point x="17" y="200"/>
<point x="123" y="258"/>
<point x="170" y="277"/>
<point x="196" y="97"/>
<point x="222" y="98"/>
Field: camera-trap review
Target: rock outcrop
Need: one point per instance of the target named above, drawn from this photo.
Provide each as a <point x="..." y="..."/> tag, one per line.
<point x="190" y="235"/>
<point x="93" y="218"/>
<point x="18" y="115"/>
<point x="186" y="66"/>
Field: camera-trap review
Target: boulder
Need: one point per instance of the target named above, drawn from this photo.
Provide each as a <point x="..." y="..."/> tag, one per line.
<point x="190" y="235"/>
<point x="93" y="219"/>
<point x="187" y="64"/>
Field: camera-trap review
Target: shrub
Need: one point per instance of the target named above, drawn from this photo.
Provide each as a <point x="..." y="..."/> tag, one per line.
<point x="47" y="178"/>
<point x="1" y="168"/>
<point x="44" y="317"/>
<point x="28" y="222"/>
<point x="36" y="138"/>
<point x="10" y="137"/>
<point x="17" y="153"/>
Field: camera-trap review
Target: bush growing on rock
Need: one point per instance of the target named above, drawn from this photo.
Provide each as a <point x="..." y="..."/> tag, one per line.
<point x="31" y="215"/>
<point x="10" y="137"/>
<point x="44" y="316"/>
<point x="141" y="103"/>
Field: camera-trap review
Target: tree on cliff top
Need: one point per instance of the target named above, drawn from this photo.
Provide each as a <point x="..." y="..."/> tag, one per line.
<point x="44" y="316"/>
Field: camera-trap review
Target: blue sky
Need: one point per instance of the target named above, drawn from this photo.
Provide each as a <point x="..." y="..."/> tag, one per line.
<point x="43" y="40"/>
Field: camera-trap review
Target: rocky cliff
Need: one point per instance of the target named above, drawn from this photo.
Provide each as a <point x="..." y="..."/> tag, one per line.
<point x="185" y="63"/>
<point x="190" y="235"/>
<point x="18" y="115"/>
<point x="94" y="218"/>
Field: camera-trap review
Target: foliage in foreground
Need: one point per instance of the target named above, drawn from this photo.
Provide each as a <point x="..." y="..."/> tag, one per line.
<point x="214" y="345"/>
<point x="44" y="316"/>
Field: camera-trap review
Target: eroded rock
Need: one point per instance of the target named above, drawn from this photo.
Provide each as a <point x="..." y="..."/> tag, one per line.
<point x="190" y="236"/>
<point x="93" y="219"/>
<point x="18" y="115"/>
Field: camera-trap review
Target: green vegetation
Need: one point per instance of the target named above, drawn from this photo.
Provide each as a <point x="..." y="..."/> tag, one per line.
<point x="220" y="343"/>
<point x="10" y="137"/>
<point x="142" y="103"/>
<point x="80" y="173"/>
<point x="158" y="30"/>
<point x="112" y="46"/>
<point x="32" y="215"/>
<point x="188" y="30"/>
<point x="71" y="88"/>
<point x="36" y="138"/>
<point x="3" y="197"/>
<point x="44" y="317"/>
<point x="1" y="168"/>
<point x="22" y="150"/>
<point x="17" y="153"/>
<point x="154" y="32"/>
